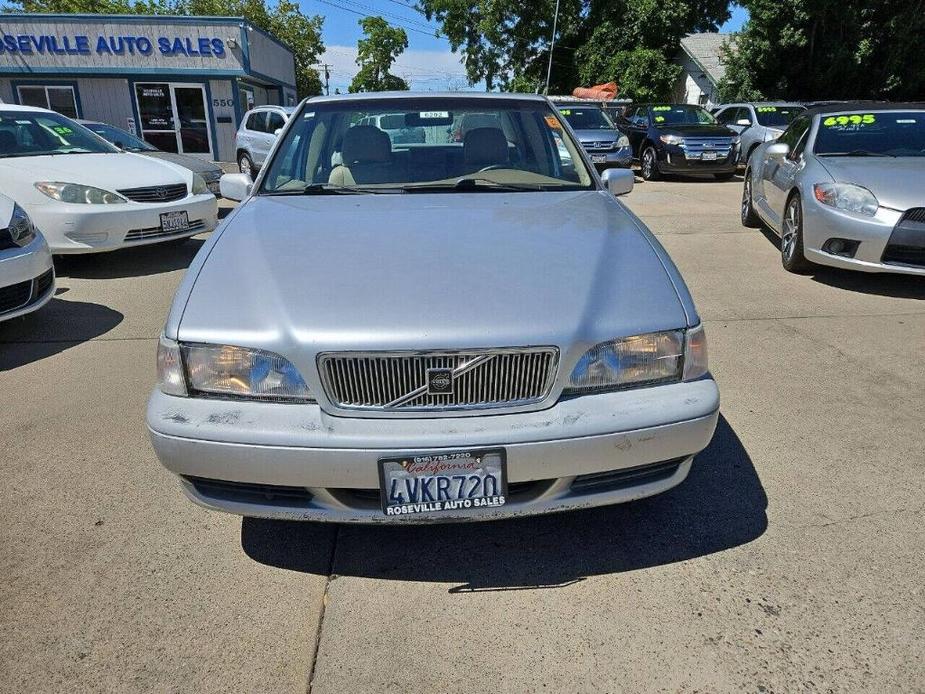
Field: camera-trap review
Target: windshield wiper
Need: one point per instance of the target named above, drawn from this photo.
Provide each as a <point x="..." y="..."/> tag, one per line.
<point x="856" y="153"/>
<point x="472" y="184"/>
<point x="330" y="189"/>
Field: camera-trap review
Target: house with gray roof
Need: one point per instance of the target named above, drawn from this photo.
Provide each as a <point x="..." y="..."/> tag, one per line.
<point x="702" y="68"/>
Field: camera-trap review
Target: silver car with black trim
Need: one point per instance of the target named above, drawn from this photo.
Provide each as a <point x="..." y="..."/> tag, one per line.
<point x="430" y="331"/>
<point x="844" y="186"/>
<point x="757" y="122"/>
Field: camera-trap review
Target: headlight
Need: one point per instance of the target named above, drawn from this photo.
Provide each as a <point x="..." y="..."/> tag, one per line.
<point x="224" y="370"/>
<point x="848" y="197"/>
<point x="650" y="359"/>
<point x="199" y="185"/>
<point x="20" y="231"/>
<point x="624" y="141"/>
<point x="672" y="139"/>
<point x="77" y="193"/>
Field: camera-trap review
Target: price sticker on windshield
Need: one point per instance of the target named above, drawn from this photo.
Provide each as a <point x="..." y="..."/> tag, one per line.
<point x="62" y="130"/>
<point x="850" y="119"/>
<point x="660" y="119"/>
<point x="766" y="109"/>
<point x="661" y="108"/>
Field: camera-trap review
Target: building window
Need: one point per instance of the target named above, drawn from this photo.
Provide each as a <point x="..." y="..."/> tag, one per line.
<point x="56" y="98"/>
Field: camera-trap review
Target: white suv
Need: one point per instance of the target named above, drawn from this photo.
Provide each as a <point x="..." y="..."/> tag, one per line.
<point x="256" y="136"/>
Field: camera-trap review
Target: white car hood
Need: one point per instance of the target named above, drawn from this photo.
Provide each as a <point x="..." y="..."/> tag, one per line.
<point x="898" y="183"/>
<point x="109" y="171"/>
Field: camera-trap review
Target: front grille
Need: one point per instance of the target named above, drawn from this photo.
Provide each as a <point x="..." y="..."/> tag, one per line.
<point x="907" y="242"/>
<point x="157" y="233"/>
<point x="167" y="193"/>
<point x="600" y="146"/>
<point x="613" y="480"/>
<point x="15" y="296"/>
<point x="694" y="147"/>
<point x="251" y="493"/>
<point x="397" y="381"/>
<point x="43" y="283"/>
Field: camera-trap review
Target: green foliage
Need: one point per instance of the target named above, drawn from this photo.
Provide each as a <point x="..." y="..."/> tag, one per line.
<point x="828" y="49"/>
<point x="284" y="20"/>
<point x="376" y="52"/>
<point x="632" y="42"/>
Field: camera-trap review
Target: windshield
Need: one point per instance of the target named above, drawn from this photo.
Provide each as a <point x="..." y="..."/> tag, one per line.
<point x="681" y="114"/>
<point x="121" y="138"/>
<point x="891" y="133"/>
<point x="586" y="118"/>
<point x="430" y="144"/>
<point x="777" y="116"/>
<point x="34" y="133"/>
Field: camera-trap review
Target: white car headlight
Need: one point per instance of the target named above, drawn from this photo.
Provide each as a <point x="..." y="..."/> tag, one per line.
<point x="649" y="359"/>
<point x="77" y="193"/>
<point x="848" y="197"/>
<point x="225" y="370"/>
<point x="671" y="139"/>
<point x="199" y="185"/>
<point x="624" y="141"/>
<point x="19" y="232"/>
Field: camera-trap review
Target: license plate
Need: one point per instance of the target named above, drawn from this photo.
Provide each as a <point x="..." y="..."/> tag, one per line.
<point x="440" y="482"/>
<point x="174" y="222"/>
<point x="708" y="156"/>
<point x="598" y="158"/>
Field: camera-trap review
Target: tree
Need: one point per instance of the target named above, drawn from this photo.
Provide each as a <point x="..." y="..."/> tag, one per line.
<point x="633" y="42"/>
<point x="376" y="52"/>
<point x="284" y="20"/>
<point x="827" y="49"/>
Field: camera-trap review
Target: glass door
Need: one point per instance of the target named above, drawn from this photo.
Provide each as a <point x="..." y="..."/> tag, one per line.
<point x="174" y="117"/>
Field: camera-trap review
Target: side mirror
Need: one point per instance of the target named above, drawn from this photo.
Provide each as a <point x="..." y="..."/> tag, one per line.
<point x="619" y="181"/>
<point x="235" y="186"/>
<point x="277" y="132"/>
<point x="119" y="144"/>
<point x="778" y="150"/>
<point x="744" y="121"/>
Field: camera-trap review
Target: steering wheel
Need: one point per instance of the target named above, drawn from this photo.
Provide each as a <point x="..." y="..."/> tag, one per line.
<point x="493" y="167"/>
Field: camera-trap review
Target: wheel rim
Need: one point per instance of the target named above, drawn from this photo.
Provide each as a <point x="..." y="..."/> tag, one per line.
<point x="647" y="163"/>
<point x="746" y="197"/>
<point x="791" y="224"/>
<point x="245" y="165"/>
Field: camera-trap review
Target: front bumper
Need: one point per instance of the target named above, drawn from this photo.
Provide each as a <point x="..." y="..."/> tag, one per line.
<point x="71" y="228"/>
<point x="821" y="223"/>
<point x="333" y="460"/>
<point x="674" y="159"/>
<point x="622" y="157"/>
<point x="20" y="269"/>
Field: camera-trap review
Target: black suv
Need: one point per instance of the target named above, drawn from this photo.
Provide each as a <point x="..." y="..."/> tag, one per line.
<point x="679" y="138"/>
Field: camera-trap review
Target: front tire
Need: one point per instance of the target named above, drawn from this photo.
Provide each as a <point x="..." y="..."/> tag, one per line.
<point x="748" y="215"/>
<point x="246" y="165"/>
<point x="649" y="164"/>
<point x="791" y="238"/>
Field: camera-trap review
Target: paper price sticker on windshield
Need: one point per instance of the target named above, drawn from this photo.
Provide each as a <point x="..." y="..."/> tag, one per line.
<point x="62" y="130"/>
<point x="850" y="119"/>
<point x="766" y="109"/>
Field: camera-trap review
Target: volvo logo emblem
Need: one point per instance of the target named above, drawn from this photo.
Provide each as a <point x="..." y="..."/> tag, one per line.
<point x="439" y="381"/>
<point x="161" y="193"/>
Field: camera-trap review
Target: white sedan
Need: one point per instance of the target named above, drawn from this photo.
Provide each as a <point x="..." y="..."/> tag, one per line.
<point x="27" y="276"/>
<point x="88" y="196"/>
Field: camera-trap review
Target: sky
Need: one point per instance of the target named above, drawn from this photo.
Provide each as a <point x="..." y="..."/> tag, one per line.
<point x="427" y="63"/>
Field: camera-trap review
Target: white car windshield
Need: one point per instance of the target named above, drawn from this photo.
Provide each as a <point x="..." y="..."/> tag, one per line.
<point x="34" y="134"/>
<point x="883" y="134"/>
<point x="425" y="144"/>
<point x="586" y="117"/>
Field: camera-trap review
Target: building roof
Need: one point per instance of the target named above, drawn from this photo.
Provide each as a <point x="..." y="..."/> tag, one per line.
<point x="705" y="50"/>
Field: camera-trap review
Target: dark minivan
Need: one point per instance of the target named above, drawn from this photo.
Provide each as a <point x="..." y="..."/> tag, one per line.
<point x="679" y="138"/>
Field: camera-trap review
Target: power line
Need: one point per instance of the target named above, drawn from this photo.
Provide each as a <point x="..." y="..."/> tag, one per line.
<point x="363" y="14"/>
<point x="387" y="14"/>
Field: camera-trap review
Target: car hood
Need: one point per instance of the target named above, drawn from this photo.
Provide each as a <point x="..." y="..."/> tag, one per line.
<point x="696" y="130"/>
<point x="598" y="135"/>
<point x="194" y="164"/>
<point x="427" y="271"/>
<point x="898" y="183"/>
<point x="110" y="171"/>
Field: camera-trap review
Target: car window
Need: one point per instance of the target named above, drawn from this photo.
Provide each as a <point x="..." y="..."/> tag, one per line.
<point x="887" y="133"/>
<point x="126" y="140"/>
<point x="257" y="122"/>
<point x="778" y="116"/>
<point x="275" y="121"/>
<point x="27" y="133"/>
<point x="725" y="116"/>
<point x="793" y="134"/>
<point x="743" y="113"/>
<point x="509" y="144"/>
<point x="586" y="117"/>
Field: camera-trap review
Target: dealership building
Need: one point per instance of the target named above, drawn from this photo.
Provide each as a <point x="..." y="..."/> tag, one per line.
<point x="181" y="83"/>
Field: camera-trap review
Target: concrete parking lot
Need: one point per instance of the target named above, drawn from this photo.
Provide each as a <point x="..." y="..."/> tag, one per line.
<point x="790" y="560"/>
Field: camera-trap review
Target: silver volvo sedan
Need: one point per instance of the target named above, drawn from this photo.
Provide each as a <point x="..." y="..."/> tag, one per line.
<point x="429" y="331"/>
<point x="844" y="186"/>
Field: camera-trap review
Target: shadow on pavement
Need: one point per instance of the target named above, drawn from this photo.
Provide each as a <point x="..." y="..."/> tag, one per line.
<point x="131" y="262"/>
<point x="721" y="505"/>
<point x="39" y="335"/>
<point x="898" y="286"/>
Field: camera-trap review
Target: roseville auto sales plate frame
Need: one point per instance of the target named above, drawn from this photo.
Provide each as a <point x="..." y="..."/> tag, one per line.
<point x="439" y="482"/>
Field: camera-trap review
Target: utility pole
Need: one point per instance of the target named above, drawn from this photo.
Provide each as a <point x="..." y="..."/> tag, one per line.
<point x="327" y="78"/>
<point x="552" y="46"/>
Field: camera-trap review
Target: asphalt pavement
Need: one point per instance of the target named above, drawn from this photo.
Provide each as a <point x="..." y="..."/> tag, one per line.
<point x="789" y="561"/>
